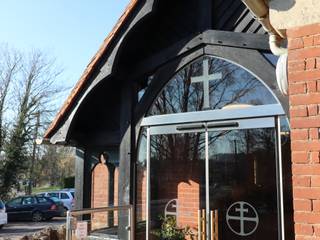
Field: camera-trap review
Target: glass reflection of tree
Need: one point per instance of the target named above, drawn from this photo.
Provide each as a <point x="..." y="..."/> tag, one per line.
<point x="236" y="86"/>
<point x="180" y="95"/>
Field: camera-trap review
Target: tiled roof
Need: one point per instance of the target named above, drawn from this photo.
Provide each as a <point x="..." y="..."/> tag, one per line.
<point x="89" y="69"/>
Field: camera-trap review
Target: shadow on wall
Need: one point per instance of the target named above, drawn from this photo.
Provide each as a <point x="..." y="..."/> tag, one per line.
<point x="282" y="5"/>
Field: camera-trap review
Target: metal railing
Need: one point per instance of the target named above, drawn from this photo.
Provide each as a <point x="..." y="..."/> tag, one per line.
<point x="81" y="224"/>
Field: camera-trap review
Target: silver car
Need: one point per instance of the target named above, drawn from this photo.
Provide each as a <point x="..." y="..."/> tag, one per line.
<point x="66" y="196"/>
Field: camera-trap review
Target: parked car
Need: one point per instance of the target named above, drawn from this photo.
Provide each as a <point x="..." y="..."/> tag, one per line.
<point x="35" y="208"/>
<point x="66" y="196"/>
<point x="59" y="204"/>
<point x="3" y="214"/>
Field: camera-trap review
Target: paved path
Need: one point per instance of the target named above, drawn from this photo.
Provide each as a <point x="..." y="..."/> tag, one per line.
<point x="16" y="230"/>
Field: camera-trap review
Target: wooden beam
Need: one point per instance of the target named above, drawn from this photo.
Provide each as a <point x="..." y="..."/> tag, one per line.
<point x="126" y="156"/>
<point x="79" y="175"/>
<point x="205" y="15"/>
<point x="189" y="44"/>
<point x="99" y="139"/>
<point x="160" y="78"/>
<point x="87" y="181"/>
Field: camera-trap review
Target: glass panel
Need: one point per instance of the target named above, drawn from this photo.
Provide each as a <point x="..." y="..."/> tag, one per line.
<point x="53" y="195"/>
<point x="64" y="196"/>
<point x="28" y="201"/>
<point x="214" y="82"/>
<point x="177" y="185"/>
<point x="44" y="200"/>
<point x="15" y="202"/>
<point x="243" y="188"/>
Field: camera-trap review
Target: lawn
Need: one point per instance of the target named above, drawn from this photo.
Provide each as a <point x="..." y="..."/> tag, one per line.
<point x="45" y="189"/>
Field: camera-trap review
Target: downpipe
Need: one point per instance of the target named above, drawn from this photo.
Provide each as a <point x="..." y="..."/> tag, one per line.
<point x="277" y="41"/>
<point x="260" y="11"/>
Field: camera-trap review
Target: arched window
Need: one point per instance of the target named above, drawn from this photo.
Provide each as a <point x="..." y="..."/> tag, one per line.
<point x="211" y="83"/>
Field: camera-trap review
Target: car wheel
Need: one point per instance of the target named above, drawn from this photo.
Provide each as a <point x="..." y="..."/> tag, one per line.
<point x="37" y="217"/>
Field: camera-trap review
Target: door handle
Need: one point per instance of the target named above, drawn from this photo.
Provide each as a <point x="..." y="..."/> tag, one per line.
<point x="191" y="127"/>
<point x="223" y="125"/>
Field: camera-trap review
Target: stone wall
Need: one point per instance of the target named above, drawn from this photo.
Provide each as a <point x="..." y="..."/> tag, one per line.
<point x="286" y="14"/>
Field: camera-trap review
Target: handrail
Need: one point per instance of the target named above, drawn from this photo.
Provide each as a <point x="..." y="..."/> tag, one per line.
<point x="75" y="213"/>
<point x="102" y="209"/>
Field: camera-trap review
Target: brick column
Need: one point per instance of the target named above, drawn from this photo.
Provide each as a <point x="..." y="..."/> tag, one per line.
<point x="304" y="98"/>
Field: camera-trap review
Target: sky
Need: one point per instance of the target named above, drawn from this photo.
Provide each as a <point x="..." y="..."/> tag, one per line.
<point x="71" y="31"/>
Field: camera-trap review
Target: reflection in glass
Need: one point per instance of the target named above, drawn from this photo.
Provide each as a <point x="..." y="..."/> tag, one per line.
<point x="228" y="84"/>
<point x="243" y="169"/>
<point x="177" y="176"/>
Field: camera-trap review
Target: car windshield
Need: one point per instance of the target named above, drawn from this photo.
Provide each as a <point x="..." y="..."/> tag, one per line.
<point x="72" y="193"/>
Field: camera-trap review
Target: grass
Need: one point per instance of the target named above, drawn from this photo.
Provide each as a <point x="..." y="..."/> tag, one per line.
<point x="45" y="189"/>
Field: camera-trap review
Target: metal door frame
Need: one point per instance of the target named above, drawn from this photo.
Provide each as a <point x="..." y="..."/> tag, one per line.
<point x="265" y="116"/>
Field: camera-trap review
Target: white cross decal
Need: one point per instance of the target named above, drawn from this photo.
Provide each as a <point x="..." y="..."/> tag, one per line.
<point x="206" y="78"/>
<point x="243" y="208"/>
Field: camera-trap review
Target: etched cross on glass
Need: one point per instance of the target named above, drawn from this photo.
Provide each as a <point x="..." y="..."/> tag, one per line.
<point x="206" y="78"/>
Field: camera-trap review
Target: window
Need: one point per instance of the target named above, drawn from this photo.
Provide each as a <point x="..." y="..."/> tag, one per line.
<point x="211" y="83"/>
<point x="53" y="195"/>
<point x="28" y="201"/>
<point x="15" y="202"/>
<point x="64" y="196"/>
<point x="72" y="193"/>
<point x="42" y="200"/>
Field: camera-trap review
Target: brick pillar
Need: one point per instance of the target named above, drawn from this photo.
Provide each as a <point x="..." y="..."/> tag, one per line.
<point x="100" y="195"/>
<point x="304" y="98"/>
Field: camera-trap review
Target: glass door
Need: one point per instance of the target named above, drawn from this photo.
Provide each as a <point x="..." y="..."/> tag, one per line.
<point x="177" y="184"/>
<point x="214" y="180"/>
<point x="243" y="184"/>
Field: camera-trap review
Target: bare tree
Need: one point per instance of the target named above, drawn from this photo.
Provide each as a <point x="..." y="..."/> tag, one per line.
<point x="34" y="93"/>
<point x="9" y="66"/>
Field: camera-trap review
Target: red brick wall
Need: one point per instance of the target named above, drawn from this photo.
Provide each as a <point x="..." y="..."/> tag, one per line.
<point x="100" y="181"/>
<point x="304" y="97"/>
<point x="100" y="194"/>
<point x="189" y="202"/>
